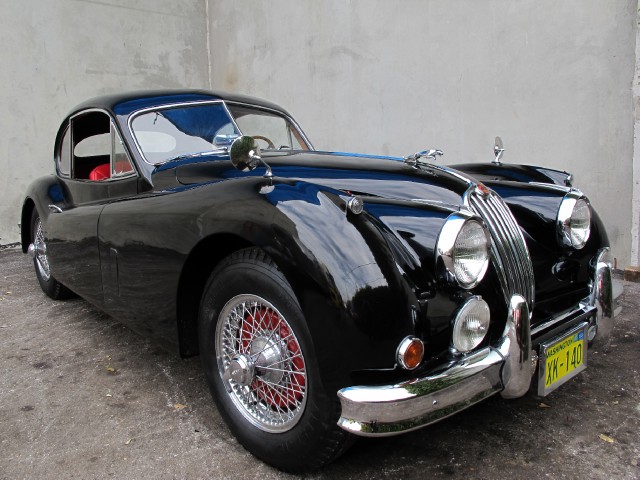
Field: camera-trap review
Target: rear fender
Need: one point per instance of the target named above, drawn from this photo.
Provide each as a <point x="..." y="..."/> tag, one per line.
<point x="42" y="193"/>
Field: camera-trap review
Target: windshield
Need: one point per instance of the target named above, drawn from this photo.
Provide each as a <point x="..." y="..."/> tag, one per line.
<point x="183" y="131"/>
<point x="179" y="132"/>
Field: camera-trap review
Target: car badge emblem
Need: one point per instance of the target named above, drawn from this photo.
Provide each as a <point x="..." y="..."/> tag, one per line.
<point x="482" y="190"/>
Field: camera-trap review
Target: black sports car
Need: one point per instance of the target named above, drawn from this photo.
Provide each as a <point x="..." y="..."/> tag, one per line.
<point x="328" y="294"/>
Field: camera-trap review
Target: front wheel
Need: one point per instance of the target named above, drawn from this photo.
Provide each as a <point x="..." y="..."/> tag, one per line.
<point x="260" y="365"/>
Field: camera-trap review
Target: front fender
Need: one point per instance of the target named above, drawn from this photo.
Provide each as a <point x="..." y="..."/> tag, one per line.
<point x="363" y="280"/>
<point x="357" y="304"/>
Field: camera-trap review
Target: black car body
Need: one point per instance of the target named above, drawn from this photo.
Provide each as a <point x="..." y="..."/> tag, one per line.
<point x="329" y="294"/>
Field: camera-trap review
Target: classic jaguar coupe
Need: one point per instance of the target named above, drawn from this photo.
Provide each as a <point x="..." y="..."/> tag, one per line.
<point x="328" y="294"/>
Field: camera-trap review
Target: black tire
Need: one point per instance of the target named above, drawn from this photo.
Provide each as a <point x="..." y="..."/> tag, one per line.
<point x="304" y="435"/>
<point x="50" y="286"/>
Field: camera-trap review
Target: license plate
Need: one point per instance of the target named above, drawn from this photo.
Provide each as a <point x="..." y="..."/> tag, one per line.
<point x="562" y="358"/>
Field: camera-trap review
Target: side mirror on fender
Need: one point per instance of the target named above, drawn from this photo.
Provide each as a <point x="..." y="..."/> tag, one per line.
<point x="245" y="155"/>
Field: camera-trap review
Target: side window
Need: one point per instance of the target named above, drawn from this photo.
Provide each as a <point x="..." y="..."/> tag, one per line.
<point x="97" y="150"/>
<point x="64" y="155"/>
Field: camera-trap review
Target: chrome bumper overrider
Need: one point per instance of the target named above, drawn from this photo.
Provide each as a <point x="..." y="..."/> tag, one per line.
<point x="601" y="298"/>
<point x="506" y="367"/>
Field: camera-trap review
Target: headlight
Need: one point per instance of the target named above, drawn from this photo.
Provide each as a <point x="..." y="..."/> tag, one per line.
<point x="574" y="220"/>
<point x="470" y="325"/>
<point x="463" y="250"/>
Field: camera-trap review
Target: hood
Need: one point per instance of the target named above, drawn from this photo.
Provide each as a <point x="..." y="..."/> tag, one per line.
<point x="490" y="172"/>
<point x="383" y="177"/>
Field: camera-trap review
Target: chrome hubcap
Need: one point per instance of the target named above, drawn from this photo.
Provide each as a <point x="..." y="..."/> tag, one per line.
<point x="261" y="363"/>
<point x="269" y="355"/>
<point x="240" y="370"/>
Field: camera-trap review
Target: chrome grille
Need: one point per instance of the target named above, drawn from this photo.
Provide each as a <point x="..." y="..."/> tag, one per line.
<point x="508" y="249"/>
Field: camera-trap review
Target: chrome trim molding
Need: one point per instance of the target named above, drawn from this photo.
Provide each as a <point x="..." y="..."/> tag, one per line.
<point x="452" y="172"/>
<point x="552" y="187"/>
<point x="516" y="350"/>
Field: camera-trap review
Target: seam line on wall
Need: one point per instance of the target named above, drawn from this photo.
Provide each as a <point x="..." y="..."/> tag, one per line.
<point x="206" y="14"/>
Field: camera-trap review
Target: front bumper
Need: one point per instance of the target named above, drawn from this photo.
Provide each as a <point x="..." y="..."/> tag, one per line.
<point x="507" y="367"/>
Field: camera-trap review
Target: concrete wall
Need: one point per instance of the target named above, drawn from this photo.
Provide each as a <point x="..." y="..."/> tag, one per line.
<point x="552" y="78"/>
<point x="57" y="53"/>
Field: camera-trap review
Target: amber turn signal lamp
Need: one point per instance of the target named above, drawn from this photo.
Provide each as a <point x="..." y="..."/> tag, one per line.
<point x="410" y="353"/>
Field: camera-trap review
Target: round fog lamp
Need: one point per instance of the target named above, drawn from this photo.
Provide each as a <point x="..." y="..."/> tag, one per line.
<point x="470" y="324"/>
<point x="410" y="353"/>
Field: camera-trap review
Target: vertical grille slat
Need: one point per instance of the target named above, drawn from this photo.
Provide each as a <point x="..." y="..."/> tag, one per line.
<point x="508" y="248"/>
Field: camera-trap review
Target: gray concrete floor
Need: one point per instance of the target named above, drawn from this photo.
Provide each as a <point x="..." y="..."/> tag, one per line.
<point x="82" y="396"/>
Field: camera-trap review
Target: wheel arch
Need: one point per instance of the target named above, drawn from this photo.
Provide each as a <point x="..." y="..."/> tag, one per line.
<point x="197" y="269"/>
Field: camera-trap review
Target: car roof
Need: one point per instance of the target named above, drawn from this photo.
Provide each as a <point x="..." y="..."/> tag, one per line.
<point x="129" y="102"/>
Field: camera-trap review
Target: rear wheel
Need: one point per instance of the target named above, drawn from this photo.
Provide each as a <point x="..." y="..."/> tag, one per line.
<point x="38" y="249"/>
<point x="260" y="364"/>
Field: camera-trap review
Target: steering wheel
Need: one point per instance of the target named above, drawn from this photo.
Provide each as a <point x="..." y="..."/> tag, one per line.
<point x="270" y="144"/>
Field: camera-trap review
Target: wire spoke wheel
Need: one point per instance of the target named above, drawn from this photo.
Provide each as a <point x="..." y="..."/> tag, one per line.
<point x="261" y="363"/>
<point x="41" y="258"/>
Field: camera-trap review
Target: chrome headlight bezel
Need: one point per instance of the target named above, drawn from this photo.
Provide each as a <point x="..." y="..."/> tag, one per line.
<point x="572" y="204"/>
<point x="448" y="256"/>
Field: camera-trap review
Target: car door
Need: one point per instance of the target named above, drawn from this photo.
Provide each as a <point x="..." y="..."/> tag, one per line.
<point x="93" y="172"/>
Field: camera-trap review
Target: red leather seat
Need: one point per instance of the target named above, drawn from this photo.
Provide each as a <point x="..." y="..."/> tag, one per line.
<point x="101" y="172"/>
